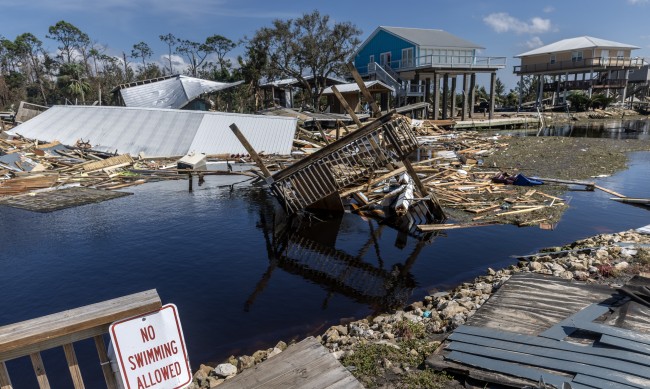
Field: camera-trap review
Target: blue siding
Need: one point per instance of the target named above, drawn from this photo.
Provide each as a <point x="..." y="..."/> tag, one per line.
<point x="381" y="43"/>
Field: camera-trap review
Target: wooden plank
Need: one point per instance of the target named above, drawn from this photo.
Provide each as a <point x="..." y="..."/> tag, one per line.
<point x="112" y="162"/>
<point x="366" y="93"/>
<point x="5" y="381"/>
<point x="251" y="151"/>
<point x="624" y="344"/>
<point x="39" y="370"/>
<point x="520" y="211"/>
<point x="436" y="207"/>
<point x="34" y="335"/>
<point x="439" y="227"/>
<point x="574" y="355"/>
<point x="551" y="363"/>
<point x="73" y="366"/>
<point x="105" y="362"/>
<point x="304" y="364"/>
<point x="531" y="303"/>
<point x="346" y="106"/>
<point x="565" y="328"/>
<point x="609" y="191"/>
<point x="509" y="368"/>
<point x="552" y="344"/>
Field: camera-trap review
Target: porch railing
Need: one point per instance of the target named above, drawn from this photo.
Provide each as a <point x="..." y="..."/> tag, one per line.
<point x="30" y="337"/>
<point x="440" y="61"/>
<point x="596" y="63"/>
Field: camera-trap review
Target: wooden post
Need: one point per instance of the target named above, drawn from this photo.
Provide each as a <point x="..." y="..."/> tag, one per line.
<point x="366" y="93"/>
<point x="322" y="133"/>
<point x="346" y="106"/>
<point x="105" y="362"/>
<point x="437" y="208"/>
<point x="189" y="178"/>
<point x="252" y="152"/>
<point x="338" y="130"/>
<point x="5" y="381"/>
<point x="39" y="369"/>
<point x="465" y="96"/>
<point x="73" y="366"/>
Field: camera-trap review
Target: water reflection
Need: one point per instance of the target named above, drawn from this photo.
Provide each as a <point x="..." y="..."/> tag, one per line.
<point x="610" y="129"/>
<point x="307" y="248"/>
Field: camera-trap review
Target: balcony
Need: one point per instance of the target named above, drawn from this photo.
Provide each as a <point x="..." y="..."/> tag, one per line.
<point x="584" y="85"/>
<point x="441" y="62"/>
<point x="586" y="64"/>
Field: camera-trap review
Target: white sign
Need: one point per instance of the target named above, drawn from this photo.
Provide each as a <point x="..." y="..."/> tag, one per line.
<point x="150" y="350"/>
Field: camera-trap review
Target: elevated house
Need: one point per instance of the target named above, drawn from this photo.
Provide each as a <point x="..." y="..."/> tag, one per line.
<point x="417" y="62"/>
<point x="583" y="63"/>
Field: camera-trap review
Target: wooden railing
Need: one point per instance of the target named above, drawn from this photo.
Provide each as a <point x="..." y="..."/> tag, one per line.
<point x="585" y="63"/>
<point x="30" y="337"/>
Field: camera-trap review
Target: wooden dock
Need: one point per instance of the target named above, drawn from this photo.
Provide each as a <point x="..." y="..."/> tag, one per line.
<point x="498" y="123"/>
<point x="306" y="364"/>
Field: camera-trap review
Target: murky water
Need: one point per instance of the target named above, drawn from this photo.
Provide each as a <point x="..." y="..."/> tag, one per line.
<point x="242" y="282"/>
<point x="605" y="128"/>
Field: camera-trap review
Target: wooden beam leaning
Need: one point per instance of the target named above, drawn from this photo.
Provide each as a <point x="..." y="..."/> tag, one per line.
<point x="35" y="335"/>
<point x="252" y="152"/>
<point x="366" y="93"/>
<point x="39" y="370"/>
<point x="346" y="106"/>
<point x="5" y="381"/>
<point x="73" y="366"/>
<point x="436" y="207"/>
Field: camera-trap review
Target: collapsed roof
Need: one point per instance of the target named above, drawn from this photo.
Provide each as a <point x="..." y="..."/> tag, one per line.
<point x="155" y="132"/>
<point x="168" y="92"/>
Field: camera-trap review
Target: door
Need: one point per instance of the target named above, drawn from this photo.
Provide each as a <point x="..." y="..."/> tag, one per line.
<point x="384" y="59"/>
<point x="407" y="58"/>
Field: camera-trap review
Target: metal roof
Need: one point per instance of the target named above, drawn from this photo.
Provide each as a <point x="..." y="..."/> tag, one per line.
<point x="291" y="82"/>
<point x="431" y="37"/>
<point x="159" y="132"/>
<point x="582" y="42"/>
<point x="175" y="92"/>
<point x="353" y="87"/>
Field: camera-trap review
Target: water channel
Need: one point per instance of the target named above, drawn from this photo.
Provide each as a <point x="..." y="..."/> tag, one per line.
<point x="240" y="283"/>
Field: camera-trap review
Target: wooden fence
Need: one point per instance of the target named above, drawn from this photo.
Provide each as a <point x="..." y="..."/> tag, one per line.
<point x="30" y="337"/>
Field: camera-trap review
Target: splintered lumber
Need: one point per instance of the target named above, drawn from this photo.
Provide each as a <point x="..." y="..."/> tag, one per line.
<point x="589" y="184"/>
<point x="346" y="106"/>
<point x="439" y="227"/>
<point x="24" y="184"/>
<point x="381" y="178"/>
<point x="609" y="191"/>
<point x="112" y="162"/>
<point x="252" y="152"/>
<point x="362" y="86"/>
<point x="521" y="211"/>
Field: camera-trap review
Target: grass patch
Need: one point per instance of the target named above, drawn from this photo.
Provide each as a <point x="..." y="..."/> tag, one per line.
<point x="426" y="379"/>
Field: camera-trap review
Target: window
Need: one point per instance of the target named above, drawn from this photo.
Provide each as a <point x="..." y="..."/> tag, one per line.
<point x="620" y="54"/>
<point x="372" y="59"/>
<point x="552" y="60"/>
<point x="576" y="56"/>
<point x="407" y="58"/>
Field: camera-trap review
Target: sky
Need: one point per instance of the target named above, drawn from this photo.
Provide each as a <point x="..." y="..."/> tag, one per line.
<point x="505" y="28"/>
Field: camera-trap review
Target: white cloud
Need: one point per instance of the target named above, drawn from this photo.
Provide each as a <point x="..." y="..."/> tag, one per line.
<point x="549" y="9"/>
<point x="503" y="22"/>
<point x="635" y="2"/>
<point x="534" y="43"/>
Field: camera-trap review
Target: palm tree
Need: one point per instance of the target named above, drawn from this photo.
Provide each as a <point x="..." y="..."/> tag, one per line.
<point x="73" y="81"/>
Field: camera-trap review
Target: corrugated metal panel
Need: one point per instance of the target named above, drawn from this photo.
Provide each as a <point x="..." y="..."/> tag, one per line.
<point x="158" y="132"/>
<point x="171" y="93"/>
<point x="581" y="42"/>
<point x="267" y="134"/>
<point x="353" y="87"/>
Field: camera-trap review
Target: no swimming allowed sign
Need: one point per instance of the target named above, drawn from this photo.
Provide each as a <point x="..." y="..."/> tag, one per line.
<point x="150" y="350"/>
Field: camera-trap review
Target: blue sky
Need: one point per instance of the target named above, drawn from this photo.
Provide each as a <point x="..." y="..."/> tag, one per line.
<point x="504" y="27"/>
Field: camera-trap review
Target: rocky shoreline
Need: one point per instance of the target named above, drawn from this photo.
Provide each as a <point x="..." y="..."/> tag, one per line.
<point x="397" y="343"/>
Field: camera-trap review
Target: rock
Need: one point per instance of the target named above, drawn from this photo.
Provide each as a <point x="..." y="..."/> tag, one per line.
<point x="245" y="362"/>
<point x="200" y="376"/>
<point x="281" y="345"/>
<point x="260" y="355"/>
<point x="438" y="295"/>
<point x="581" y="275"/>
<point x="491" y="271"/>
<point x="339" y="354"/>
<point x="567" y="275"/>
<point x="416" y="305"/>
<point x="458" y="320"/>
<point x="225" y="370"/>
<point x="621" y="265"/>
<point x="452" y="309"/>
<point x="535" y="266"/>
<point x="602" y="254"/>
<point x="578" y="266"/>
<point x="214" y="382"/>
<point x="332" y="336"/>
<point x="274" y="352"/>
